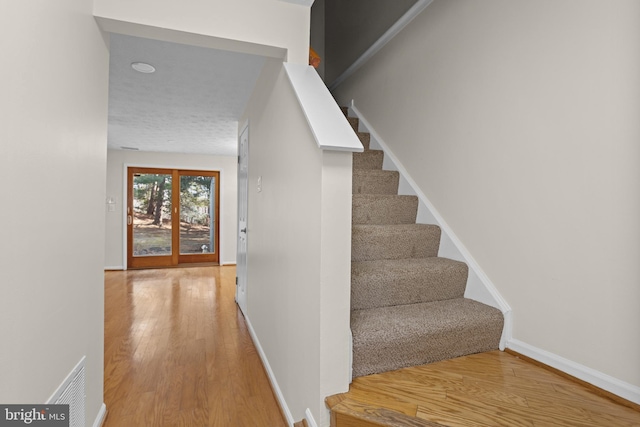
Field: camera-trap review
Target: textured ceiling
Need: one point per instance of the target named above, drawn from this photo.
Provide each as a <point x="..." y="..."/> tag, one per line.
<point x="191" y="104"/>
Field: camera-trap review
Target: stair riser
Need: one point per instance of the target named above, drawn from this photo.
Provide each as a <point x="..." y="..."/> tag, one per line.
<point x="375" y="182"/>
<point x="402" y="282"/>
<point x="390" y="338"/>
<point x="384" y="209"/>
<point x="365" y="139"/>
<point x="369" y="159"/>
<point x="378" y="243"/>
<point x="354" y="122"/>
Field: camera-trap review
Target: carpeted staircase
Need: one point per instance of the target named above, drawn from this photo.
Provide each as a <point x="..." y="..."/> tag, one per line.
<point x="407" y="304"/>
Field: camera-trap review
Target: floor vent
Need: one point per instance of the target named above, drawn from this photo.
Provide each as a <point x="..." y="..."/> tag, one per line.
<point x="71" y="392"/>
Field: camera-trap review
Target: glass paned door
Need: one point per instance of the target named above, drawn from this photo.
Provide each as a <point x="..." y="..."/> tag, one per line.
<point x="151" y="214"/>
<point x="172" y="217"/>
<point x="198" y="220"/>
<point x="151" y="201"/>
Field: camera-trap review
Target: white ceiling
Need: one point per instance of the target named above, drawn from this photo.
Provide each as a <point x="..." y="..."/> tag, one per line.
<point x="191" y="104"/>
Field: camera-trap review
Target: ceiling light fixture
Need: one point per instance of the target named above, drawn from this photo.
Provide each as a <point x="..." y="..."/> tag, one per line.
<point x="143" y="67"/>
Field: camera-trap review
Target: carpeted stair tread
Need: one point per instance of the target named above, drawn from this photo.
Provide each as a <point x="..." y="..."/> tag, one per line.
<point x="406" y="281"/>
<point x="368" y="159"/>
<point x="389" y="338"/>
<point x="384" y="209"/>
<point x="375" y="181"/>
<point x="394" y="241"/>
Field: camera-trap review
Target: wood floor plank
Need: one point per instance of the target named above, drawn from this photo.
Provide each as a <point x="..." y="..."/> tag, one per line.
<point x="390" y="401"/>
<point x="412" y="392"/>
<point x="178" y="352"/>
<point x="511" y="385"/>
<point x="452" y="414"/>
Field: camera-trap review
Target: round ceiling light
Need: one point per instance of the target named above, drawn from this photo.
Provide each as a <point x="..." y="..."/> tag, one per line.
<point x="143" y="67"/>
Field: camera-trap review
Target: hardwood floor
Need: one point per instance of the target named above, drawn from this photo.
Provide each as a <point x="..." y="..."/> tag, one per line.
<point x="178" y="352"/>
<point x="487" y="389"/>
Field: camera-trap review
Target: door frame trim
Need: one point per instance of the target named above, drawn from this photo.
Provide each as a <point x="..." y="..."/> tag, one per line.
<point x="136" y="164"/>
<point x="242" y="304"/>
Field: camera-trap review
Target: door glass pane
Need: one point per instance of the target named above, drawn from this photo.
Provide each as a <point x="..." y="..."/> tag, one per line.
<point x="151" y="214"/>
<point x="197" y="207"/>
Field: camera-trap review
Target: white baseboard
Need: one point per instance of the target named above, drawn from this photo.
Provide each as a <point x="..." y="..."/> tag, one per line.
<point x="272" y="377"/>
<point x="119" y="267"/>
<point x="606" y="382"/>
<point x="484" y="283"/>
<point x="102" y="413"/>
<point x="309" y="417"/>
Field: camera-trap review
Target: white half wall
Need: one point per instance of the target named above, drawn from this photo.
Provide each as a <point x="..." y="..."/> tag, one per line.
<point x="53" y="164"/>
<point x="115" y="228"/>
<point x="519" y="122"/>
<point x="298" y="250"/>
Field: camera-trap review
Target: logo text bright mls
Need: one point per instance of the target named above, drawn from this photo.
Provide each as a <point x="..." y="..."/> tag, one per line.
<point x="27" y="416"/>
<point x="34" y="415"/>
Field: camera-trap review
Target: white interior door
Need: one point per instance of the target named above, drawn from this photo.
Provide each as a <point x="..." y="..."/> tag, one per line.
<point x="243" y="188"/>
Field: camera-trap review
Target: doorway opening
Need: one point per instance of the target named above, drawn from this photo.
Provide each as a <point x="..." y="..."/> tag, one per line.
<point x="172" y="217"/>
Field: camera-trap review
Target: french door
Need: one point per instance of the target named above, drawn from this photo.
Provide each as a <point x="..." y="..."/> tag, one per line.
<point x="172" y="217"/>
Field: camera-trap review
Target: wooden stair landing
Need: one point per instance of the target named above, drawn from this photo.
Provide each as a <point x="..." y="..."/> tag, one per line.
<point x="486" y="389"/>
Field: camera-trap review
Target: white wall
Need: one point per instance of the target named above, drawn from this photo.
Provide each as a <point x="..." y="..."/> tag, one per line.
<point x="519" y="121"/>
<point x="115" y="254"/>
<point x="265" y="23"/>
<point x="52" y="163"/>
<point x="298" y="267"/>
